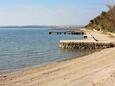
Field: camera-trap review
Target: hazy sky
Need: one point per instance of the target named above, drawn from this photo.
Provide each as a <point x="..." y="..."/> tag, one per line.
<point x="50" y="12"/>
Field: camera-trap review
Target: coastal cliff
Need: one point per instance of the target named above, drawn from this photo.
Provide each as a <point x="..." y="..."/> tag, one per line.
<point x="104" y="22"/>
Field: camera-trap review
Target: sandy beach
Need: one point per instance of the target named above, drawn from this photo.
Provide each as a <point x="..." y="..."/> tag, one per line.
<point x="96" y="69"/>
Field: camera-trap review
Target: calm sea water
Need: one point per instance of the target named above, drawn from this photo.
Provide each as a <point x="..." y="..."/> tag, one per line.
<point x="30" y="47"/>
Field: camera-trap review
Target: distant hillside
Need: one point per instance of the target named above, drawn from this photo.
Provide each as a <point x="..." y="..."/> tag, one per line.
<point x="29" y="26"/>
<point x="105" y="21"/>
<point x="45" y="26"/>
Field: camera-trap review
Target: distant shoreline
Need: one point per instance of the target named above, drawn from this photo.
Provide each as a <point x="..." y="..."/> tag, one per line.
<point x="43" y="26"/>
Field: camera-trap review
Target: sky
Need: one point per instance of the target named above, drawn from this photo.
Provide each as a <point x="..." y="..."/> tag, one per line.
<point x="50" y="12"/>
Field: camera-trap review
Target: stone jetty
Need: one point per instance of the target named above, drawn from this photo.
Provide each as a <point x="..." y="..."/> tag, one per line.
<point x="94" y="40"/>
<point x="85" y="44"/>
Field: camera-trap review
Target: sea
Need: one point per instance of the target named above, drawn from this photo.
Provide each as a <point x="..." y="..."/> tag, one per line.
<point x="28" y="47"/>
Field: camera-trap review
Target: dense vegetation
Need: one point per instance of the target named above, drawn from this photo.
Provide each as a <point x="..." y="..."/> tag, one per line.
<point x="105" y="21"/>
